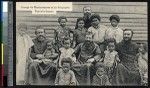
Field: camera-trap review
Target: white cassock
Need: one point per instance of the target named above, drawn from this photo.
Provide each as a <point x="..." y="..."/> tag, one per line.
<point x="23" y="43"/>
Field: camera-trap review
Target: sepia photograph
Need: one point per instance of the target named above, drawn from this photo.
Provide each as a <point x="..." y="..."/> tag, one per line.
<point x="82" y="43"/>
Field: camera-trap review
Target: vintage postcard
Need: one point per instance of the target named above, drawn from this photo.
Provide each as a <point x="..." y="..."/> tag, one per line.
<point x="82" y="43"/>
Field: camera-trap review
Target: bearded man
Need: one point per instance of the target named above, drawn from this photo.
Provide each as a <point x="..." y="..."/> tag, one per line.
<point x="89" y="53"/>
<point x="87" y="14"/>
<point x="127" y="72"/>
<point x="40" y="72"/>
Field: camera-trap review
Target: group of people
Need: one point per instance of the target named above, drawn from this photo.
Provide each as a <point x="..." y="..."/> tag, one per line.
<point x="90" y="54"/>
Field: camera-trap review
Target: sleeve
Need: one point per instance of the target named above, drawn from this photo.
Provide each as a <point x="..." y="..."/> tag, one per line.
<point x="33" y="54"/>
<point x="106" y="37"/>
<point x="97" y="53"/>
<point x="74" y="38"/>
<point x="77" y="48"/>
<point x="119" y="37"/>
<point x="57" y="78"/>
<point x="73" y="78"/>
<point x="55" y="35"/>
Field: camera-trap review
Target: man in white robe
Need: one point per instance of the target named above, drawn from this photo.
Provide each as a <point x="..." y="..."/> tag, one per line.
<point x="23" y="43"/>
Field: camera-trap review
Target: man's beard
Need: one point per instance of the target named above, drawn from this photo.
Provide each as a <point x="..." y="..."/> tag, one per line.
<point x="127" y="39"/>
<point x="87" y="15"/>
<point x="89" y="45"/>
<point x="41" y="38"/>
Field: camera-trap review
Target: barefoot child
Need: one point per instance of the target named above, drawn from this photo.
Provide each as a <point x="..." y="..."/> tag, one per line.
<point x="65" y="76"/>
<point x="101" y="78"/>
<point x="110" y="57"/>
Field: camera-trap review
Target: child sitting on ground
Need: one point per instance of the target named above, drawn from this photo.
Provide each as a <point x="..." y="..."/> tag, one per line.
<point x="65" y="76"/>
<point x="101" y="78"/>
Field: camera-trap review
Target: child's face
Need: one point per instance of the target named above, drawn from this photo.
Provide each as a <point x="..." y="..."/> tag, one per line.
<point x="66" y="67"/>
<point x="95" y="22"/>
<point x="49" y="45"/>
<point x="100" y="71"/>
<point x="81" y="24"/>
<point x="141" y="48"/>
<point x="114" y="22"/>
<point x="62" y="22"/>
<point x="67" y="44"/>
<point x="111" y="46"/>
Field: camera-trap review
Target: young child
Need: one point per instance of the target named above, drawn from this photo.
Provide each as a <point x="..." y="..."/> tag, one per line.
<point x="50" y="53"/>
<point x="143" y="63"/>
<point x="62" y="31"/>
<point x="114" y="31"/>
<point x="101" y="78"/>
<point x="80" y="32"/>
<point x="111" y="57"/>
<point x="65" y="76"/>
<point x="66" y="51"/>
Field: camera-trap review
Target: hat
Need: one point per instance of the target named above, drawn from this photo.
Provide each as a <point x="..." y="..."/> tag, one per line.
<point x="116" y="17"/>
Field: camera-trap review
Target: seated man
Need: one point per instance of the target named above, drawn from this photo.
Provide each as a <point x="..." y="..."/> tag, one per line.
<point x="89" y="52"/>
<point x="42" y="69"/>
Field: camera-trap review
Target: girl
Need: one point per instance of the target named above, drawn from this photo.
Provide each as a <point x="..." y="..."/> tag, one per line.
<point x="111" y="57"/>
<point x="80" y="32"/>
<point x="66" y="51"/>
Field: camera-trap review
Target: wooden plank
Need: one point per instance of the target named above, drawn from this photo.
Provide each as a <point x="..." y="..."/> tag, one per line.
<point x="73" y="24"/>
<point x="77" y="14"/>
<point x="50" y="19"/>
<point x="113" y="9"/>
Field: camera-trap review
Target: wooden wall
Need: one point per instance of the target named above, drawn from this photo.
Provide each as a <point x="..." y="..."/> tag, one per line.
<point x="133" y="15"/>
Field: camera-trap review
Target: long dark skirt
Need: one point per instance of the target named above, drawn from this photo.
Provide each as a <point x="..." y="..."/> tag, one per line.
<point x="84" y="74"/>
<point x="123" y="76"/>
<point x="41" y="73"/>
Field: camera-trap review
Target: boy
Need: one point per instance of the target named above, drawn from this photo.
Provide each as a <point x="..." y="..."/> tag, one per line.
<point x="101" y="78"/>
<point x="114" y="31"/>
<point x="62" y="31"/>
<point x="65" y="76"/>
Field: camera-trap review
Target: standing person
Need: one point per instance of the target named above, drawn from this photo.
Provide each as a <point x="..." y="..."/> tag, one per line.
<point x="62" y="31"/>
<point x="79" y="32"/>
<point x="66" y="51"/>
<point x="89" y="53"/>
<point x="127" y="72"/>
<point x="23" y="43"/>
<point x="38" y="72"/>
<point x="111" y="58"/>
<point x="114" y="31"/>
<point x="65" y="76"/>
<point x="98" y="30"/>
<point x="87" y="14"/>
<point x="143" y="63"/>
